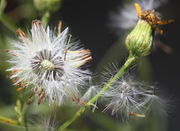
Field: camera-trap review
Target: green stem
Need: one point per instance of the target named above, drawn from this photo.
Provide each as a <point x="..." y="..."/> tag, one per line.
<point x="45" y="18"/>
<point x="21" y="112"/>
<point x="128" y="64"/>
<point x="8" y="121"/>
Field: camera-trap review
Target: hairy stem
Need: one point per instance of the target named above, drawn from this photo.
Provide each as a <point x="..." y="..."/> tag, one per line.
<point x="128" y="64"/>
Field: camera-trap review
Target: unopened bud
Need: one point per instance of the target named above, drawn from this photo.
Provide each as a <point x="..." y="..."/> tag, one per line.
<point x="139" y="41"/>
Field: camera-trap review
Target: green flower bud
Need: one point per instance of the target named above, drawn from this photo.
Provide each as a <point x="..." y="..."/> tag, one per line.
<point x="47" y="5"/>
<point x="139" y="41"/>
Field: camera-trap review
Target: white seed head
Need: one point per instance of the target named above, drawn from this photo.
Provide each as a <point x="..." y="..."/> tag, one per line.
<point x="52" y="63"/>
<point x="128" y="96"/>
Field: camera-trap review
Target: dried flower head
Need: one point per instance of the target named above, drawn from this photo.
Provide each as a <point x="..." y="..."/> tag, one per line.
<point x="126" y="16"/>
<point x="139" y="41"/>
<point x="151" y="17"/>
<point x="48" y="64"/>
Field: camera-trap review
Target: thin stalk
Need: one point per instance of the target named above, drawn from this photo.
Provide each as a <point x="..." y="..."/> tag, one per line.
<point x="8" y="121"/>
<point x="21" y="112"/>
<point x="128" y="64"/>
<point x="45" y="18"/>
<point x="24" y="111"/>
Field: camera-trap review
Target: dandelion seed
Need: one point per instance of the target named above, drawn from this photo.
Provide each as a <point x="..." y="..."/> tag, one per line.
<point x="129" y="98"/>
<point x="44" y="123"/>
<point x="91" y="91"/>
<point x="48" y="62"/>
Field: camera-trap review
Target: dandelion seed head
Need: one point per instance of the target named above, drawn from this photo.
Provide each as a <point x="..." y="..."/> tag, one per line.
<point x="128" y="96"/>
<point x="50" y="62"/>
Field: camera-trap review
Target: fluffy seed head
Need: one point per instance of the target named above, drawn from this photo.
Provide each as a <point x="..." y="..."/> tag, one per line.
<point x="48" y="64"/>
<point x="129" y="98"/>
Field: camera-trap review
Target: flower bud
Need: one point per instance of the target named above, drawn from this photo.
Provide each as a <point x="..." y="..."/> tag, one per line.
<point x="139" y="41"/>
<point x="47" y="5"/>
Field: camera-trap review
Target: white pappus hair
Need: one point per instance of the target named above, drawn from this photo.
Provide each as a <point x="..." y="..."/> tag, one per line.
<point x="48" y="63"/>
<point x="128" y="97"/>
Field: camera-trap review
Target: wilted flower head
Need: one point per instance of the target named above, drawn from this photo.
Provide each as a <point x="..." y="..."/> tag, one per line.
<point x="145" y="20"/>
<point x="48" y="64"/>
<point x="126" y="16"/>
<point x="140" y="39"/>
<point x="129" y="97"/>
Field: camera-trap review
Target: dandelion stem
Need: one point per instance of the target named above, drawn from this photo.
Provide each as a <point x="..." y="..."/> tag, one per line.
<point x="8" y="121"/>
<point x="128" y="64"/>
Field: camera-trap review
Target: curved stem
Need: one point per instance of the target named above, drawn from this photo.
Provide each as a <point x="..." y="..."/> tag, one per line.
<point x="8" y="121"/>
<point x="128" y="64"/>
